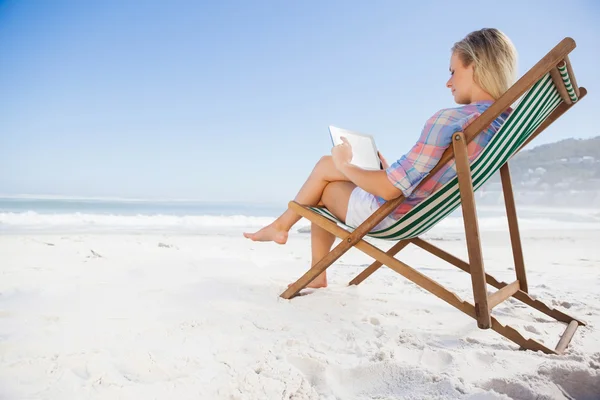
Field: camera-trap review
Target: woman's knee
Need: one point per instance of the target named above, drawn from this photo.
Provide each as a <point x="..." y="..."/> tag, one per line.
<point x="325" y="169"/>
<point x="325" y="166"/>
<point x="325" y="162"/>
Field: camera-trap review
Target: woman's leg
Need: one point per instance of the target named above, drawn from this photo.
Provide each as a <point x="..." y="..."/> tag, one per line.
<point x="310" y="193"/>
<point x="336" y="197"/>
<point x="320" y="241"/>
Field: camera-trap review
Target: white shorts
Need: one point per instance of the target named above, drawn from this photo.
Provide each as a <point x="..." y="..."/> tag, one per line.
<point x="361" y="206"/>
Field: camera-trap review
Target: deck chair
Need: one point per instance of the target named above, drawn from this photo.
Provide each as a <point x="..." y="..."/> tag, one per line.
<point x="544" y="93"/>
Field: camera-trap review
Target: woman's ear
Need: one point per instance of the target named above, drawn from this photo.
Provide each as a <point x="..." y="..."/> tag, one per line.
<point x="471" y="67"/>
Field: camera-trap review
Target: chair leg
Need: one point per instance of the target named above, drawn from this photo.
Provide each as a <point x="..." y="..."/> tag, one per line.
<point x="348" y="240"/>
<point x="316" y="270"/>
<point x="519" y="295"/>
<point x="467" y="198"/>
<point x="513" y="227"/>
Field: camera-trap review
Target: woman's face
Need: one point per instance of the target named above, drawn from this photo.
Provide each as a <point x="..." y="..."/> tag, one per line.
<point x="461" y="81"/>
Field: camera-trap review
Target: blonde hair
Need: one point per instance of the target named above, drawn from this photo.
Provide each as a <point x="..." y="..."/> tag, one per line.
<point x="495" y="59"/>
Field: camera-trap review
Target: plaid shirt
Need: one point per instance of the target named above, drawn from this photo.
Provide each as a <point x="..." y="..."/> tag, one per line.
<point x="410" y="169"/>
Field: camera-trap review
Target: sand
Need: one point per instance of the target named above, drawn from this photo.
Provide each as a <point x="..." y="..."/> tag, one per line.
<point x="197" y="315"/>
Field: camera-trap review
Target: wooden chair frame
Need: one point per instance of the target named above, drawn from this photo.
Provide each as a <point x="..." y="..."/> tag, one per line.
<point x="483" y="303"/>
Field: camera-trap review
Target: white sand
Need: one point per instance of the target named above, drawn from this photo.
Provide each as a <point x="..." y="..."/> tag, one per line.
<point x="198" y="316"/>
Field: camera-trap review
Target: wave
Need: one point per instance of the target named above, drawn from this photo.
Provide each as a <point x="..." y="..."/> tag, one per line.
<point x="31" y="220"/>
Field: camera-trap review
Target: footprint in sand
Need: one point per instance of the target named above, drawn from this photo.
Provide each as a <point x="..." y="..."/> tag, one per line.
<point x="437" y="360"/>
<point x="576" y="381"/>
<point x="485" y="358"/>
<point x="532" y="329"/>
<point x="406" y="339"/>
<point x="564" y="304"/>
<point x="382" y="355"/>
<point x="516" y="389"/>
<point x="313" y="370"/>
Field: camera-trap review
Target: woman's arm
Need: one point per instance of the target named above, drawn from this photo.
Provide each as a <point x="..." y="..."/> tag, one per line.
<point x="374" y="182"/>
<point x="404" y="175"/>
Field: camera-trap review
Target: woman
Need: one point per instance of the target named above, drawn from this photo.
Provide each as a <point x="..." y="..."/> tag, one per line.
<point x="482" y="67"/>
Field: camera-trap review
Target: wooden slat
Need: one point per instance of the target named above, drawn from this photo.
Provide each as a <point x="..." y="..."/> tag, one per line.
<point x="502" y="294"/>
<point x="512" y="334"/>
<point x="467" y="200"/>
<point x="565" y="339"/>
<point x="513" y="227"/>
<point x="436" y="251"/>
<point x="376" y="264"/>
<point x="560" y="85"/>
<point x="519" y="295"/>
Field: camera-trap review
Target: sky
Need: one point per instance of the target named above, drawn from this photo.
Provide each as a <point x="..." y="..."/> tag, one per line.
<point x="231" y="100"/>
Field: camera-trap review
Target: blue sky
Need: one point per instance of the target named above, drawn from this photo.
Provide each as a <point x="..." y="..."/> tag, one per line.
<point x="230" y="100"/>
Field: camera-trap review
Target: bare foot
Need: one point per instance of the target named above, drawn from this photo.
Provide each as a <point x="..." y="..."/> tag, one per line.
<point x="268" y="234"/>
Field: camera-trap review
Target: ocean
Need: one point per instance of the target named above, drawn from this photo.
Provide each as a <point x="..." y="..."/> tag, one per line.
<point x="69" y="214"/>
<point x="134" y="207"/>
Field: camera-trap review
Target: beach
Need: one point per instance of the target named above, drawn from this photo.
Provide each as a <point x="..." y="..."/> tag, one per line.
<point x="110" y="307"/>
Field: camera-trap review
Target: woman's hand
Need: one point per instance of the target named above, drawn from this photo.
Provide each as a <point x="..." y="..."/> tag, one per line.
<point x="383" y="161"/>
<point x="342" y="154"/>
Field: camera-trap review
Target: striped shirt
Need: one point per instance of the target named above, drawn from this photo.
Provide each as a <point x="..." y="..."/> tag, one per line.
<point x="407" y="172"/>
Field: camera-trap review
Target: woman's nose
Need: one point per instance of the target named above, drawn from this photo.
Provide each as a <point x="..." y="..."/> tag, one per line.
<point x="449" y="83"/>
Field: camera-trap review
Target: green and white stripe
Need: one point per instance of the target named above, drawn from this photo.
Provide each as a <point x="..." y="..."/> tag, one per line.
<point x="532" y="110"/>
<point x="564" y="73"/>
